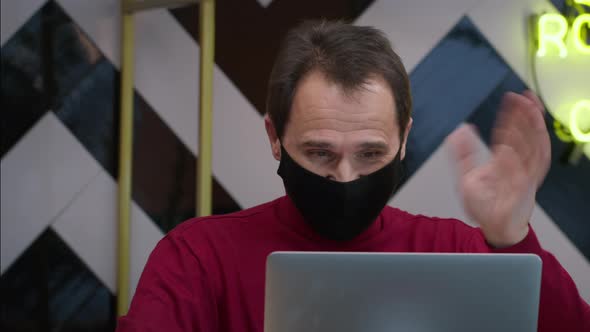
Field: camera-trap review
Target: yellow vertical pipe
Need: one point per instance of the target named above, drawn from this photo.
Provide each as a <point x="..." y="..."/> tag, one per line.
<point x="207" y="43"/>
<point x="125" y="161"/>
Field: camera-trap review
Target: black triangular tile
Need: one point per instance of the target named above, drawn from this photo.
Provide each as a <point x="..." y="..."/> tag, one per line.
<point x="48" y="288"/>
<point x="51" y="64"/>
<point x="41" y="63"/>
<point x="246" y="48"/>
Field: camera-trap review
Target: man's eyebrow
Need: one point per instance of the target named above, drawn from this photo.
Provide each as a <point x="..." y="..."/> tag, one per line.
<point x="372" y="145"/>
<point x="317" y="144"/>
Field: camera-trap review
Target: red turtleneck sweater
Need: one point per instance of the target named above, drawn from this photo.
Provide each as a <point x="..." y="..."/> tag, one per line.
<point x="208" y="273"/>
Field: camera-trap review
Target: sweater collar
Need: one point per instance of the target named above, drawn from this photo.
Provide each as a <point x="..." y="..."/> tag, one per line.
<point x="289" y="215"/>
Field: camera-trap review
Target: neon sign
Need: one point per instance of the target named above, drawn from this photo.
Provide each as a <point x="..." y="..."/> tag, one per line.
<point x="580" y="112"/>
<point x="552" y="30"/>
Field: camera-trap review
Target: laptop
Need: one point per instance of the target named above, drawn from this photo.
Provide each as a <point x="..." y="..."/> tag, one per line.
<point x="378" y="292"/>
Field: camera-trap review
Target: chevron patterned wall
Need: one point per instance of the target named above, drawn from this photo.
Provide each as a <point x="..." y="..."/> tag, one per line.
<point x="60" y="62"/>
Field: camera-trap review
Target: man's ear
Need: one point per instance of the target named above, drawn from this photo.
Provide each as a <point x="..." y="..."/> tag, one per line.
<point x="275" y="143"/>
<point x="406" y="133"/>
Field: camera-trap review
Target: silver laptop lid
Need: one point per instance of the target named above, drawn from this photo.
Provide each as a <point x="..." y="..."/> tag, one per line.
<point x="374" y="292"/>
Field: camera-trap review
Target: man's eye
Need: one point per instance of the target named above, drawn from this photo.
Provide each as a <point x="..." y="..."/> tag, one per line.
<point x="321" y="154"/>
<point x="370" y="154"/>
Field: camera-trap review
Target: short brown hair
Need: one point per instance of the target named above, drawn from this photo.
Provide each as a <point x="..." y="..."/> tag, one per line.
<point x="347" y="55"/>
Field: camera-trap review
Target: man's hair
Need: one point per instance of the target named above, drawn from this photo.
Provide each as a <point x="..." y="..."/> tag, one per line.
<point x="346" y="55"/>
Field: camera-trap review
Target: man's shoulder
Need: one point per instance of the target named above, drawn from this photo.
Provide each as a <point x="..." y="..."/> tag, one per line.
<point x="399" y="216"/>
<point x="260" y="213"/>
<point x="430" y="234"/>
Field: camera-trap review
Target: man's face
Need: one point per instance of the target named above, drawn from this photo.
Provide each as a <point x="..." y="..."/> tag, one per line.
<point x="339" y="136"/>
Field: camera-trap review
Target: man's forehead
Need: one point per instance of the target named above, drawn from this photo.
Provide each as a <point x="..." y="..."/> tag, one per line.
<point x="321" y="108"/>
<point x="315" y="84"/>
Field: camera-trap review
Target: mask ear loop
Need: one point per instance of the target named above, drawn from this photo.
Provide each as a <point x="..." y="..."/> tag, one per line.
<point x="403" y="168"/>
<point x="283" y="149"/>
<point x="403" y="173"/>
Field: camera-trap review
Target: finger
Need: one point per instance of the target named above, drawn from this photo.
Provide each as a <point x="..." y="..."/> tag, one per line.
<point x="517" y="141"/>
<point x="511" y="115"/>
<point x="539" y="137"/>
<point x="521" y="114"/>
<point x="514" y="101"/>
<point x="462" y="144"/>
<point x="512" y="127"/>
<point x="542" y="157"/>
<point x="535" y="99"/>
<point x="536" y="114"/>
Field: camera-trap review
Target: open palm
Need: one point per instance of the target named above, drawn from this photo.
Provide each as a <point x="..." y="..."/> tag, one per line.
<point x="500" y="194"/>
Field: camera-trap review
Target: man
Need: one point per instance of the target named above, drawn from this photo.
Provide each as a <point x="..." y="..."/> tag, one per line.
<point x="338" y="118"/>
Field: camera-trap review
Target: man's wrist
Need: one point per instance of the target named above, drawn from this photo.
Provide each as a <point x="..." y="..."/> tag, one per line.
<point x="500" y="240"/>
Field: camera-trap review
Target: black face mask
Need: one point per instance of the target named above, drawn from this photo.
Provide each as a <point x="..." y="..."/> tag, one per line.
<point x="339" y="210"/>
